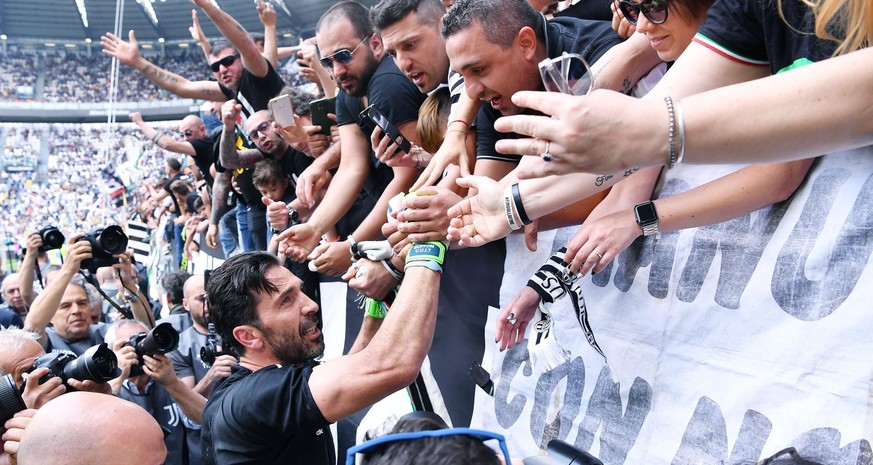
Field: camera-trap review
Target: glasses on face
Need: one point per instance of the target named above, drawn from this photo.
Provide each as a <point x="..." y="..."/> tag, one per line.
<point x="226" y="62"/>
<point x="188" y="133"/>
<point x="476" y="433"/>
<point x="654" y="10"/>
<point x="567" y="74"/>
<point x="262" y="128"/>
<point x="343" y="56"/>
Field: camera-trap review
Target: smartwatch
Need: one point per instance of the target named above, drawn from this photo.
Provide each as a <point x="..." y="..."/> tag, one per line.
<point x="647" y="218"/>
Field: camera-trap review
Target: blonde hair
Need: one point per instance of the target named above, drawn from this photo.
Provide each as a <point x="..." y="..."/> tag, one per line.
<point x="849" y="23"/>
<point x="432" y="119"/>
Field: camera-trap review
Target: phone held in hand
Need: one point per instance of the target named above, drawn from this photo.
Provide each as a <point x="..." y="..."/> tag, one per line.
<point x="282" y="111"/>
<point x="387" y="128"/>
<point x="318" y="111"/>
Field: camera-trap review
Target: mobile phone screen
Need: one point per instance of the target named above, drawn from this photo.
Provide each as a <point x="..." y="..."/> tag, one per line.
<point x="388" y="128"/>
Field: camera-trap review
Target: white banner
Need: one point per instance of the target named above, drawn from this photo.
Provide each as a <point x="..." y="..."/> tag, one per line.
<point x="725" y="343"/>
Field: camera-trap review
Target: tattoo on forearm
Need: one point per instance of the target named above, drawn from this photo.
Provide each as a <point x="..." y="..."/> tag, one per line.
<point x="626" y="85"/>
<point x="602" y="179"/>
<point x="630" y="172"/>
<point x="219" y="198"/>
<point x="248" y="158"/>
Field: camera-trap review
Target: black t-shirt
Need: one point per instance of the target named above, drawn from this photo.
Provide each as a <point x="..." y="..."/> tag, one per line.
<point x="254" y="95"/>
<point x="204" y="155"/>
<point x="266" y="417"/>
<point x="397" y="98"/>
<point x="590" y="39"/>
<point x="255" y="92"/>
<point x="751" y="32"/>
<point x="293" y="163"/>
<point x="158" y="403"/>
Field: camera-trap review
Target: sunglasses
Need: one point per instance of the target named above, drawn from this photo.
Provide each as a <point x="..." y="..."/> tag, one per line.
<point x="476" y="433"/>
<point x="188" y="133"/>
<point x="342" y="56"/>
<point x="262" y="128"/>
<point x="654" y="10"/>
<point x="226" y="62"/>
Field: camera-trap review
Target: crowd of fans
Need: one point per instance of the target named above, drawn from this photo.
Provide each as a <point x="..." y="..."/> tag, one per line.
<point x="74" y="77"/>
<point x="289" y="207"/>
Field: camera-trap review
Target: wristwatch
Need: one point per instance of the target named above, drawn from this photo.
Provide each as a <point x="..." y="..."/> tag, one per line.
<point x="647" y="218"/>
<point x="293" y="216"/>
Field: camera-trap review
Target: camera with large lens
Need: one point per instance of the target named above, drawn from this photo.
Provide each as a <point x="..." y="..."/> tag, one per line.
<point x="210" y="351"/>
<point x="10" y="399"/>
<point x="161" y="339"/>
<point x="97" y="364"/>
<point x="52" y="238"/>
<point x="105" y="242"/>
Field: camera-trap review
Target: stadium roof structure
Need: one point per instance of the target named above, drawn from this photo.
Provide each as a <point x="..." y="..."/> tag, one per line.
<point x="156" y="21"/>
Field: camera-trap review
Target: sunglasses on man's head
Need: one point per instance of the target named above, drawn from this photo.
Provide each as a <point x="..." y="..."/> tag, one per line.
<point x="342" y="56"/>
<point x="654" y="10"/>
<point x="262" y="128"/>
<point x="226" y="62"/>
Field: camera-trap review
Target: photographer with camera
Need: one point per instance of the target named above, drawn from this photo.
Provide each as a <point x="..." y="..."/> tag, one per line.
<point x="64" y="301"/>
<point x="199" y="361"/>
<point x="148" y="380"/>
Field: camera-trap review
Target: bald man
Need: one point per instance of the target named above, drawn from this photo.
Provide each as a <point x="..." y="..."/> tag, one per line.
<point x="83" y="428"/>
<point x="197" y="144"/>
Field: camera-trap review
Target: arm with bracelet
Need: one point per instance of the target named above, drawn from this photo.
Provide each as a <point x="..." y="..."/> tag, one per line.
<point x="393" y="358"/>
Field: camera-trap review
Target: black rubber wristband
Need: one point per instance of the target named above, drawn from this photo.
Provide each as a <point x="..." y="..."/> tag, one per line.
<point x="519" y="207"/>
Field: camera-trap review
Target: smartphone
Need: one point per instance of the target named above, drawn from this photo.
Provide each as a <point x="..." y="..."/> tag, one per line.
<point x="282" y="110"/>
<point x="387" y="128"/>
<point x="318" y="111"/>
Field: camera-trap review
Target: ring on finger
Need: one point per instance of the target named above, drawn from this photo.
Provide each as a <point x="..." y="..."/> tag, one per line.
<point x="599" y="256"/>
<point x="511" y="318"/>
<point x="547" y="155"/>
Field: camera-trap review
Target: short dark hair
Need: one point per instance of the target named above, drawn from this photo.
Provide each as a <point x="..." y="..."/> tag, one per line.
<point x="500" y="19"/>
<point x="222" y="44"/>
<point x="174" y="285"/>
<point x="267" y="173"/>
<point x="257" y="37"/>
<point x="456" y="449"/>
<point x="174" y="164"/>
<point x="233" y="292"/>
<point x="388" y="12"/>
<point x="180" y="187"/>
<point x="354" y="12"/>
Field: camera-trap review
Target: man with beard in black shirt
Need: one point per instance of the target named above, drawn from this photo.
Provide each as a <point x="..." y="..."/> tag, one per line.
<point x="278" y="405"/>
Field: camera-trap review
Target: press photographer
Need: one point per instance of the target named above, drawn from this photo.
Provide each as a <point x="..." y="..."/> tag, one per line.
<point x="61" y="315"/>
<point x="148" y="380"/>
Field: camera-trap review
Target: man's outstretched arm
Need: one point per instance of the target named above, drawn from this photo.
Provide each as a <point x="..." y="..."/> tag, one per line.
<point x="128" y="53"/>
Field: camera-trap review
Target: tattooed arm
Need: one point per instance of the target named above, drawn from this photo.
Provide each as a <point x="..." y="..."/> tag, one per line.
<point x="128" y="53"/>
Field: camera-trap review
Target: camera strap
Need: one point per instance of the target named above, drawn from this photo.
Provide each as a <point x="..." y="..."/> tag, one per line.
<point x="125" y="312"/>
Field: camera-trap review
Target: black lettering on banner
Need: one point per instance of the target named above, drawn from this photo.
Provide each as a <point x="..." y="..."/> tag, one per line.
<point x="618" y="433"/>
<point x="705" y="438"/>
<point x="811" y="300"/>
<point x="549" y="387"/>
<point x="750" y="441"/>
<point x="507" y="411"/>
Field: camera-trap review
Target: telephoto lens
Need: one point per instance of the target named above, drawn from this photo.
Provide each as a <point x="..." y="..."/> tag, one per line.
<point x="97" y="364"/>
<point x="161" y="339"/>
<point x="10" y="399"/>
